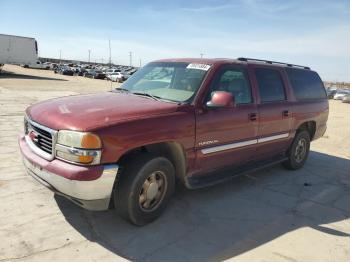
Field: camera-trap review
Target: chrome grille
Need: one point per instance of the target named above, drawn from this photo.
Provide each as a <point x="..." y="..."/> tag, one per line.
<point x="40" y="139"/>
<point x="44" y="139"/>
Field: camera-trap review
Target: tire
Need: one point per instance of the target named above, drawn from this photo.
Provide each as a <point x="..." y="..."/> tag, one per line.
<point x="298" y="151"/>
<point x="131" y="192"/>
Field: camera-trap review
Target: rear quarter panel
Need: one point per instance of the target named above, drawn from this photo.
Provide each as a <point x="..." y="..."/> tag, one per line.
<point x="313" y="110"/>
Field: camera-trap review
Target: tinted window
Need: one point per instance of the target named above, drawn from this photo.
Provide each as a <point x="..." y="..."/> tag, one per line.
<point x="306" y="84"/>
<point x="234" y="81"/>
<point x="270" y="85"/>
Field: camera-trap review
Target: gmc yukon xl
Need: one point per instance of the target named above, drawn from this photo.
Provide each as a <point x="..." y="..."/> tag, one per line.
<point x="196" y="121"/>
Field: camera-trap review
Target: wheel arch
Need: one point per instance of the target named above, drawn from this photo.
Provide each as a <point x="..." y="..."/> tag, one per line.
<point x="173" y="151"/>
<point x="309" y="126"/>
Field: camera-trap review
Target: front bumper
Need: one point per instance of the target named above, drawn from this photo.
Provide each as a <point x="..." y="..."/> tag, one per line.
<point x="88" y="186"/>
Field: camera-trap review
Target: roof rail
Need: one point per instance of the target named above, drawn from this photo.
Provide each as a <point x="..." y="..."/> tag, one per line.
<point x="271" y="62"/>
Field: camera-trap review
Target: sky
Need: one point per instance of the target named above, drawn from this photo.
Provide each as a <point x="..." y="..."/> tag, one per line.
<point x="312" y="33"/>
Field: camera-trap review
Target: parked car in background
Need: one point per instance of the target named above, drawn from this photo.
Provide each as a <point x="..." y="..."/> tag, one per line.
<point x="340" y="94"/>
<point x="116" y="77"/>
<point x="65" y="70"/>
<point x="57" y="68"/>
<point x="53" y="66"/>
<point x="111" y="71"/>
<point x="36" y="65"/>
<point x="331" y="93"/>
<point x="196" y="121"/>
<point x="132" y="71"/>
<point x="47" y="65"/>
<point x="80" y="71"/>
<point x="346" y="98"/>
<point x="95" y="74"/>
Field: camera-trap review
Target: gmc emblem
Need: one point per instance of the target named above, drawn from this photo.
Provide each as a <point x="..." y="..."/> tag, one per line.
<point x="33" y="136"/>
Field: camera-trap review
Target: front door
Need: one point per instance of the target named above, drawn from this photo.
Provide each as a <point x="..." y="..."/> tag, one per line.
<point x="227" y="136"/>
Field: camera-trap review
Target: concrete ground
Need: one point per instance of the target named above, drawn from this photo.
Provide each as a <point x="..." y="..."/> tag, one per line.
<point x="270" y="215"/>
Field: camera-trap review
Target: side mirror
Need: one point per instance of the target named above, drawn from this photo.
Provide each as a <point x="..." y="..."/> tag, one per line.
<point x="221" y="99"/>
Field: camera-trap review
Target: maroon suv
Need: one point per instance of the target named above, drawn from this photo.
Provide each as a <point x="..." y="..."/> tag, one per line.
<point x="198" y="121"/>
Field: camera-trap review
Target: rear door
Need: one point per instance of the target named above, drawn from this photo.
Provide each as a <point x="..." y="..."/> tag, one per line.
<point x="227" y="136"/>
<point x="275" y="111"/>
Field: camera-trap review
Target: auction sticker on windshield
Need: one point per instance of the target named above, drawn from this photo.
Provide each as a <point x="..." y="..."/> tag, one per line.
<point x="204" y="67"/>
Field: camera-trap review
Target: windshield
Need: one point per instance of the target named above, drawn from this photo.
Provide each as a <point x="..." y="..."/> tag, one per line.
<point x="174" y="81"/>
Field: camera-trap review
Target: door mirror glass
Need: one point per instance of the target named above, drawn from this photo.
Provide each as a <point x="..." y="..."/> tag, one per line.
<point x="221" y="99"/>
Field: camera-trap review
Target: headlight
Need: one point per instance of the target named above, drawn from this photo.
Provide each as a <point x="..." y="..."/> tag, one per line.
<point x="78" y="147"/>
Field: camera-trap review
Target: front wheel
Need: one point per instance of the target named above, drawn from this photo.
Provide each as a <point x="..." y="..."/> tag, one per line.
<point x="299" y="151"/>
<point x="144" y="189"/>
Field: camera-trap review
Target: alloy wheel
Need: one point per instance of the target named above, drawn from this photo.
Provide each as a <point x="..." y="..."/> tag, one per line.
<point x="152" y="191"/>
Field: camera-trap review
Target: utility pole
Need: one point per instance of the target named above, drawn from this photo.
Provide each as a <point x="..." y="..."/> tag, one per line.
<point x="140" y="62"/>
<point x="130" y="58"/>
<point x="110" y="53"/>
<point x="89" y="55"/>
<point x="60" y="56"/>
<point x="201" y="54"/>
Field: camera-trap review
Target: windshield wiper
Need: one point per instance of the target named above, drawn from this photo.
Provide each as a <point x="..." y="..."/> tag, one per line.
<point x="148" y="95"/>
<point x="121" y="89"/>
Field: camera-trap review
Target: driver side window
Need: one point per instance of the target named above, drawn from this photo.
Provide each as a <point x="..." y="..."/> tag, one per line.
<point x="234" y="81"/>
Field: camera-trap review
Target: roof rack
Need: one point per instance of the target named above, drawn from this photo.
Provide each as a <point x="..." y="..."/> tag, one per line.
<point x="271" y="62"/>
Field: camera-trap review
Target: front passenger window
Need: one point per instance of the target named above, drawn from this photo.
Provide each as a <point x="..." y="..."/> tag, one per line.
<point x="235" y="82"/>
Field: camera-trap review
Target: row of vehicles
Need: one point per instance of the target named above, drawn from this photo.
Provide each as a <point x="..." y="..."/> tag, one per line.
<point x="115" y="74"/>
<point x="339" y="94"/>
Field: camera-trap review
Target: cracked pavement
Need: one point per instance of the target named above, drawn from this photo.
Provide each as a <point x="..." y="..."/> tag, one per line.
<point x="269" y="215"/>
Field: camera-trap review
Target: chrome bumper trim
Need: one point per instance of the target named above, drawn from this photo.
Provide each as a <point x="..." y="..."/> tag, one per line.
<point x="99" y="190"/>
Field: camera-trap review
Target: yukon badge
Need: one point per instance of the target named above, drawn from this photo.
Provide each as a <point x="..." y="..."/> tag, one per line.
<point x="209" y="142"/>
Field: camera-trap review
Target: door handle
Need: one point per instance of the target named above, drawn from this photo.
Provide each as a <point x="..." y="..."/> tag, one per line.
<point x="285" y="113"/>
<point x="252" y="116"/>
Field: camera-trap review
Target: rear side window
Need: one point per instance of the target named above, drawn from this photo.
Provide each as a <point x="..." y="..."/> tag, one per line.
<point x="306" y="84"/>
<point x="271" y="86"/>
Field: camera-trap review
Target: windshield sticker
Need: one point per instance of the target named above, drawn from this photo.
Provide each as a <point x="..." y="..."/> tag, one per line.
<point x="198" y="66"/>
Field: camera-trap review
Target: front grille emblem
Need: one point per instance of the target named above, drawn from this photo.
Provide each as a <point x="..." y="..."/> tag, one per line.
<point x="33" y="136"/>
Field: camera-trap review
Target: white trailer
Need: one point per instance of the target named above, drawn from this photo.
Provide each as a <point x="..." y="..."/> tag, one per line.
<point x="18" y="50"/>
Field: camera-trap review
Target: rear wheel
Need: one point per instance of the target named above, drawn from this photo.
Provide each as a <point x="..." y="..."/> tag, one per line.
<point x="299" y="151"/>
<point x="144" y="189"/>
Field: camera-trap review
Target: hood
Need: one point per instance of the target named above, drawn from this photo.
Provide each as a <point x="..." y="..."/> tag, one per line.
<point x="88" y="112"/>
